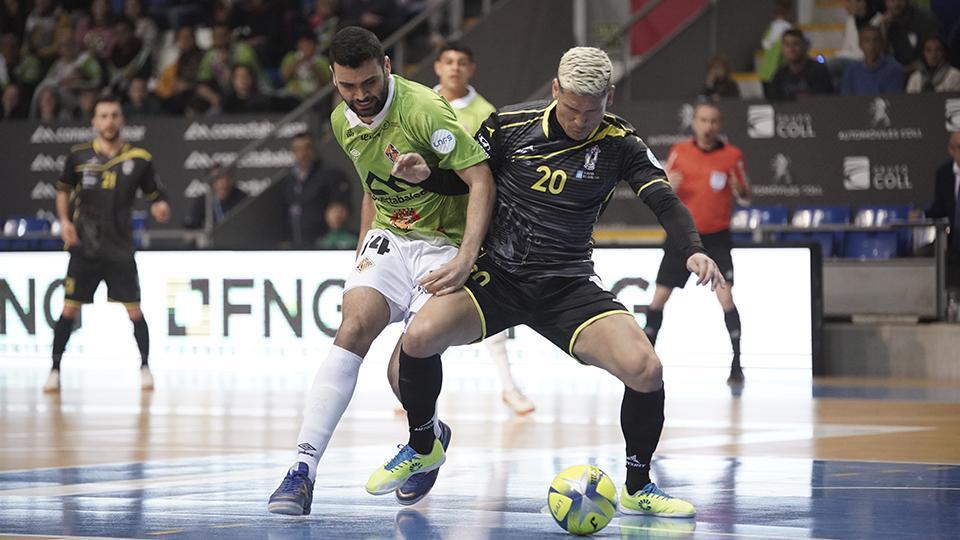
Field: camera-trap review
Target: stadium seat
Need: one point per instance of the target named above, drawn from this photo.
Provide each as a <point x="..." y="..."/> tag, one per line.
<point x="879" y="245"/>
<point x="753" y="217"/>
<point x="814" y="216"/>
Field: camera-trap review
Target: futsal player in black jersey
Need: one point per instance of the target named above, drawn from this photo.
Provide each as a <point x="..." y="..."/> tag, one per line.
<point x="101" y="179"/>
<point x="556" y="164"/>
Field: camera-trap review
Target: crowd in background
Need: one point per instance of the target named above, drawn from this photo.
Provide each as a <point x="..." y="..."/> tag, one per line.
<point x="178" y="57"/>
<point x="887" y="47"/>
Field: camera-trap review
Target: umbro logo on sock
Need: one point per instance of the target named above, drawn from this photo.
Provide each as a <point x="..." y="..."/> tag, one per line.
<point x="632" y="461"/>
<point x="428" y="425"/>
<point x="306" y="448"/>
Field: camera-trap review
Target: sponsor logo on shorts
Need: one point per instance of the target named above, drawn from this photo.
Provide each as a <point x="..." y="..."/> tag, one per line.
<point x="404" y="218"/>
<point x="365" y="264"/>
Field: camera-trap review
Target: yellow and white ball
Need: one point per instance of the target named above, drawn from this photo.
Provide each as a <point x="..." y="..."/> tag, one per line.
<point x="582" y="499"/>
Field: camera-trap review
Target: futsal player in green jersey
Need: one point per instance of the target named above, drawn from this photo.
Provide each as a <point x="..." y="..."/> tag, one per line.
<point x="454" y="68"/>
<point x="411" y="233"/>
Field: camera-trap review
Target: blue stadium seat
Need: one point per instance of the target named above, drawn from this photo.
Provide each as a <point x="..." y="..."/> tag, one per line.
<point x="814" y="216"/>
<point x="755" y="216"/>
<point x="878" y="245"/>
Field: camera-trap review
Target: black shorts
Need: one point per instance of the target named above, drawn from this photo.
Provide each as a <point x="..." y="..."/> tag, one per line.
<point x="84" y="276"/>
<point x="673" y="267"/>
<point x="557" y="308"/>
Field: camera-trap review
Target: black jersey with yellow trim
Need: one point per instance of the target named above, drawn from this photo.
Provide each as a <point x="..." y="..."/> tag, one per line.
<point x="551" y="190"/>
<point x="104" y="189"/>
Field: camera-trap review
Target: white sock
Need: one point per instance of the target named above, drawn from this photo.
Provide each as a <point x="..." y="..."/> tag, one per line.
<point x="327" y="400"/>
<point x="497" y="349"/>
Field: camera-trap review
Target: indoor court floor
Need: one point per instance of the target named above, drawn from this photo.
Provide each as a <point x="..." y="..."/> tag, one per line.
<point x="789" y="457"/>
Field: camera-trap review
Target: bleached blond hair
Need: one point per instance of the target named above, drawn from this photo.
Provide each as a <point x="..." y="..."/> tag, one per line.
<point x="585" y="71"/>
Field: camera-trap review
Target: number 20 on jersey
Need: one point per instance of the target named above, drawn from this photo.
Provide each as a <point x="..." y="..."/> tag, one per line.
<point x="552" y="181"/>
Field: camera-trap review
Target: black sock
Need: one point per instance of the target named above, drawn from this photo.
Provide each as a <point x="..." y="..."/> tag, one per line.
<point x="420" y="382"/>
<point x="641" y="419"/>
<point x="732" y="318"/>
<point x="61" y="335"/>
<point x="142" y="334"/>
<point x="654" y="320"/>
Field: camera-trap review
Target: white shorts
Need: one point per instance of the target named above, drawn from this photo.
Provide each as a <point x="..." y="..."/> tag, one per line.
<point x="392" y="265"/>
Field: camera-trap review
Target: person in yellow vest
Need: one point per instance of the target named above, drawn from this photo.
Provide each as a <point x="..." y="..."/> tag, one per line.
<point x="454" y="68"/>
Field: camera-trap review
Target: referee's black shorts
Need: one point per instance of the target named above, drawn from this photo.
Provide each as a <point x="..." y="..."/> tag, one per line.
<point x="673" y="268"/>
<point x="558" y="308"/>
<point x="84" y="275"/>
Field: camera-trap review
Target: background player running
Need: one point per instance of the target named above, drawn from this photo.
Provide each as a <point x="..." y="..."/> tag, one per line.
<point x="102" y="178"/>
<point x="407" y="233"/>
<point x="557" y="165"/>
<point x="454" y="68"/>
<point x="707" y="173"/>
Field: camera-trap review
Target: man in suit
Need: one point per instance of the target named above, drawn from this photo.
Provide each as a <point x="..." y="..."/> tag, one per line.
<point x="946" y="205"/>
<point x="307" y="190"/>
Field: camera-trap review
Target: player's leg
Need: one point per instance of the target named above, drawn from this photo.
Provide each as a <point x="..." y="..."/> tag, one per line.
<point x="444" y="321"/>
<point x="512" y="396"/>
<point x="83" y="278"/>
<point x="672" y="273"/>
<point x="123" y="285"/>
<point x="376" y="293"/>
<point x="618" y="345"/>
<point x="720" y="245"/>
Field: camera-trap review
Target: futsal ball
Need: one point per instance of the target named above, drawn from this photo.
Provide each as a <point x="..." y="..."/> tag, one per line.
<point x="582" y="499"/>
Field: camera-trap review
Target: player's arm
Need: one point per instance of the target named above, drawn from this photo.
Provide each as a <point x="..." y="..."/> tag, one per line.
<point x="649" y="182"/>
<point x="153" y="190"/>
<point x="367" y="212"/>
<point x="65" y="185"/>
<point x="741" y="183"/>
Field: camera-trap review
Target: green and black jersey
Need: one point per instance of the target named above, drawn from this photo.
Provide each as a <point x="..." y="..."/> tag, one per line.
<point x="104" y="190"/>
<point x="551" y="189"/>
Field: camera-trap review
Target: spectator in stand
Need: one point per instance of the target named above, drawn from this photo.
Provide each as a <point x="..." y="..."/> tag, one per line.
<point x="217" y="64"/>
<point x="95" y="30"/>
<point x="948" y="13"/>
<point x="17" y="68"/>
<point x="935" y="73"/>
<point x="86" y="101"/>
<point x="15" y="107"/>
<point x="144" y="27"/>
<point x="905" y="26"/>
<point x="859" y="14"/>
<point x="13" y="18"/>
<point x="178" y="81"/>
<point x="877" y="73"/>
<point x="43" y="23"/>
<point x="305" y="70"/>
<point x="382" y="17"/>
<point x="307" y="190"/>
<point x="139" y="101"/>
<point x="946" y="204"/>
<point x="800" y="75"/>
<point x="718" y="83"/>
<point x="339" y="233"/>
<point x="47" y="106"/>
<point x="244" y="95"/>
<point x="130" y="58"/>
<point x="225" y="197"/>
<point x="322" y="21"/>
<point x="178" y="13"/>
<point x="73" y="72"/>
<point x="259" y="24"/>
<point x="772" y="39"/>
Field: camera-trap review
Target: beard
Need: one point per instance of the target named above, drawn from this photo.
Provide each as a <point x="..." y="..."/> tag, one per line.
<point x="110" y="135"/>
<point x="374" y="106"/>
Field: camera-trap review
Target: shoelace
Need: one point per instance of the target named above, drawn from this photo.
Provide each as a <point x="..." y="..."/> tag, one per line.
<point x="652" y="489"/>
<point x="405" y="454"/>
<point x="291" y="481"/>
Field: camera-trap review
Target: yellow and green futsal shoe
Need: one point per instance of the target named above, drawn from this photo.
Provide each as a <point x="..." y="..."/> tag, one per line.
<point x="406" y="463"/>
<point x="653" y="501"/>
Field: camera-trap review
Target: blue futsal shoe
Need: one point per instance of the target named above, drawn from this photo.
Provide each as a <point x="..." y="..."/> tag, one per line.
<point x="419" y="485"/>
<point x="295" y="494"/>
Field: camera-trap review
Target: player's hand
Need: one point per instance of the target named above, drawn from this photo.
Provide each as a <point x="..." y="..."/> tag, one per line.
<point x="68" y="233"/>
<point x="411" y="168"/>
<point x="449" y="277"/>
<point x="706" y="271"/>
<point x="160" y="211"/>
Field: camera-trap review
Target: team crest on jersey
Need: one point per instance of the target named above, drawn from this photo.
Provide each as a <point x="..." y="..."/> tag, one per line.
<point x="404" y="218"/>
<point x="391" y="152"/>
<point x="365" y="264"/>
<point x="127" y="167"/>
<point x="590" y="161"/>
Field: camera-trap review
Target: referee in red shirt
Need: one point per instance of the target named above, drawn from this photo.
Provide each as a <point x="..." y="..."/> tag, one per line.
<point x="707" y="173"/>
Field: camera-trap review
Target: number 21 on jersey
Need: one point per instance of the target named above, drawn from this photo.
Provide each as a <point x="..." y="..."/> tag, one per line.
<point x="552" y="181"/>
